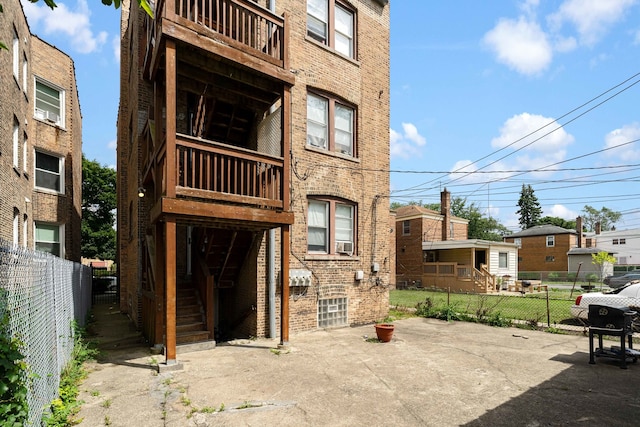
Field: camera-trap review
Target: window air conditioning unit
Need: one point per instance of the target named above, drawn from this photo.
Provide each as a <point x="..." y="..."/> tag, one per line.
<point x="344" y="248"/>
<point x="51" y="116"/>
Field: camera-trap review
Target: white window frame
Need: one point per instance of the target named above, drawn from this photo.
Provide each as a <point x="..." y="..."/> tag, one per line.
<point x="330" y="228"/>
<point x="503" y="259"/>
<point x="16" y="143"/>
<point x="406" y="227"/>
<point x="25" y="75"/>
<point x="324" y="132"/>
<point x="60" y="236"/>
<point x="49" y="115"/>
<point x="16" y="56"/>
<point x="25" y="233"/>
<point x="551" y="241"/>
<point x="16" y="227"/>
<point x="60" y="173"/>
<point x="325" y="27"/>
<point x="25" y="165"/>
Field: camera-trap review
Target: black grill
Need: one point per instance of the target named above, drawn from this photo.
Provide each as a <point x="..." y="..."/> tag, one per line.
<point x="612" y="321"/>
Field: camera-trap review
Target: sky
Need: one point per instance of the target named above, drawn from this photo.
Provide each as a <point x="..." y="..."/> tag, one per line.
<point x="485" y="96"/>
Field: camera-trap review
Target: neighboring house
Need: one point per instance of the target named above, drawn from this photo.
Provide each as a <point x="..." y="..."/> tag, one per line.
<point x="581" y="262"/>
<point x="40" y="142"/>
<point x="549" y="248"/>
<point x="432" y="249"/>
<point x="624" y="244"/>
<point x="259" y="140"/>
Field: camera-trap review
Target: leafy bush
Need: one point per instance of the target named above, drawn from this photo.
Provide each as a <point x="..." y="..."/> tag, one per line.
<point x="591" y="277"/>
<point x="13" y="389"/>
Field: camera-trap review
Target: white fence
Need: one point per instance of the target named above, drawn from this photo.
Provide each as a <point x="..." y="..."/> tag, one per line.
<point x="43" y="295"/>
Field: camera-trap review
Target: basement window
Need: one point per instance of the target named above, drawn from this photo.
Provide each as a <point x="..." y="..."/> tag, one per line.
<point x="332" y="312"/>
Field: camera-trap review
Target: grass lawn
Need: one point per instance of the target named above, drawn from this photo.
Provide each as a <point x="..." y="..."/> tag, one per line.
<point x="530" y="308"/>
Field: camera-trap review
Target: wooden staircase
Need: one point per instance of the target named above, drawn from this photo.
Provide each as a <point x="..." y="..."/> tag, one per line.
<point x="190" y="319"/>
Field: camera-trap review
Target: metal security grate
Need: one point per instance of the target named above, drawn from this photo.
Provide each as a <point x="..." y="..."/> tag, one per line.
<point x="42" y="295"/>
<point x="332" y="312"/>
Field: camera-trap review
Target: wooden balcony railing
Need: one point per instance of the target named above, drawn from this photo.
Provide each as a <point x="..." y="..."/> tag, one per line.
<point x="214" y="171"/>
<point x="242" y="22"/>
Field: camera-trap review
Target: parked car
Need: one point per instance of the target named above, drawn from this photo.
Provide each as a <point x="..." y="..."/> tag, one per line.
<point x="624" y="296"/>
<point x="617" y="281"/>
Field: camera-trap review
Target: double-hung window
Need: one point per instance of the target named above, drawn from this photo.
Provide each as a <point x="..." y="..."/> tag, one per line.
<point x="49" y="103"/>
<point x="16" y="142"/>
<point x="330" y="124"/>
<point x="503" y="260"/>
<point x="48" y="238"/>
<point x="16" y="56"/>
<point x="333" y="24"/>
<point x="551" y="241"/>
<point x="49" y="174"/>
<point x="330" y="227"/>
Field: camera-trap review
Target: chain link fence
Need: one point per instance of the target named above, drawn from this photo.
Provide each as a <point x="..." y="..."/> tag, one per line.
<point x="43" y="295"/>
<point x="545" y="307"/>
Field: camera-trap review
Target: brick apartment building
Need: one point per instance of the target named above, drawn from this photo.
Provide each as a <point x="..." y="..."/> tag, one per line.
<point x="41" y="142"/>
<point x="253" y="158"/>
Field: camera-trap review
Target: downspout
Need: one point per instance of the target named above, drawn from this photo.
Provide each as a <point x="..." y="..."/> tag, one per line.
<point x="271" y="270"/>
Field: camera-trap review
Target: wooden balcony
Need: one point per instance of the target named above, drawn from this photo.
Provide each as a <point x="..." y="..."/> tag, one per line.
<point x="220" y="172"/>
<point x="239" y="30"/>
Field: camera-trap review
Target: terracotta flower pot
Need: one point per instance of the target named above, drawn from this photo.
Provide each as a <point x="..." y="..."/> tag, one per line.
<point x="384" y="331"/>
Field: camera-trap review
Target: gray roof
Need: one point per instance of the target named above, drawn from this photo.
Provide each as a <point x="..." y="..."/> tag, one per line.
<point x="581" y="251"/>
<point x="542" y="230"/>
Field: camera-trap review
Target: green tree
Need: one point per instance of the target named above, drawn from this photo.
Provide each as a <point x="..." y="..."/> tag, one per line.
<point x="554" y="220"/>
<point x="530" y="210"/>
<point x="98" y="210"/>
<point x="482" y="227"/>
<point x="601" y="260"/>
<point x="605" y="216"/>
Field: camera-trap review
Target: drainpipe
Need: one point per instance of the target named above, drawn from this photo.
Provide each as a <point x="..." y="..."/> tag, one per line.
<point x="272" y="252"/>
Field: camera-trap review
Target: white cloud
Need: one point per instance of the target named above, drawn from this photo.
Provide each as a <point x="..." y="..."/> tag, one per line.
<point x="591" y="18"/>
<point x="407" y="144"/>
<point x="539" y="140"/>
<point x="115" y="44"/>
<point x="112" y="145"/>
<point x="521" y="45"/>
<point x="561" y="211"/>
<point x="624" y="135"/>
<point x="75" y="24"/>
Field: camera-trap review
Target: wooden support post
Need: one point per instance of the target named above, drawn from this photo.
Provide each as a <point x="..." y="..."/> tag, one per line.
<point x="170" y="291"/>
<point x="170" y="111"/>
<point x="284" y="294"/>
<point x="159" y="312"/>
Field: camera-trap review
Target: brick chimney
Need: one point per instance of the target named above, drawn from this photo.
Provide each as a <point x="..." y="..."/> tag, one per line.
<point x="445" y="211"/>
<point x="598" y="228"/>
<point x="579" y="230"/>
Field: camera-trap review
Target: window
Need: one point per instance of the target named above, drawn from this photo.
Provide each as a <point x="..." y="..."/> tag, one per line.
<point x="330" y="125"/>
<point x="330" y="227"/>
<point x="518" y="242"/>
<point x="623" y="241"/>
<point x="16" y="56"/>
<point x="615" y="241"/>
<point x="25" y="236"/>
<point x="16" y="142"/>
<point x="550" y="258"/>
<point x="619" y="241"/>
<point x="49" y="238"/>
<point x="49" y="172"/>
<point x="406" y="227"/>
<point x="16" y="226"/>
<point x="25" y="75"/>
<point x="49" y="103"/>
<point x="24" y="154"/>
<point x="551" y="241"/>
<point x="503" y="260"/>
<point x="332" y="24"/>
